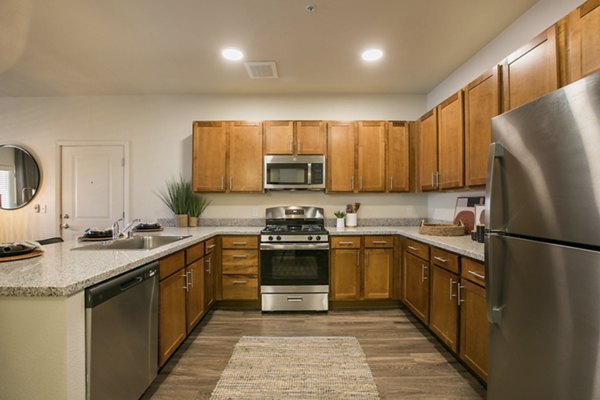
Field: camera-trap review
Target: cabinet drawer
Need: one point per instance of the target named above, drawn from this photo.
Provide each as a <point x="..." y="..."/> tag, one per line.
<point x="418" y="249"/>
<point x="194" y="253"/>
<point x="210" y="245"/>
<point x="240" y="262"/>
<point x="240" y="242"/>
<point x="240" y="287"/>
<point x="172" y="263"/>
<point x="384" y="242"/>
<point x="345" y="242"/>
<point x="444" y="259"/>
<point x="473" y="271"/>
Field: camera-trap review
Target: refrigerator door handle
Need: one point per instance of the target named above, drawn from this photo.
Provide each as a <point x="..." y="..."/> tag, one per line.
<point x="494" y="195"/>
<point x="494" y="277"/>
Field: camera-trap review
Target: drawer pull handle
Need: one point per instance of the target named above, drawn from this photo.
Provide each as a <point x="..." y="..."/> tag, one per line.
<point x="440" y="259"/>
<point x="240" y="256"/>
<point x="212" y="246"/>
<point x="476" y="274"/>
<point x="240" y="243"/>
<point x="239" y="282"/>
<point x="346" y="243"/>
<point x="295" y="299"/>
<point x="379" y="241"/>
<point x="413" y="248"/>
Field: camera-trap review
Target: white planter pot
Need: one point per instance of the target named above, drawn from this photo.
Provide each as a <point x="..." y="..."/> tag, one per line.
<point x="339" y="223"/>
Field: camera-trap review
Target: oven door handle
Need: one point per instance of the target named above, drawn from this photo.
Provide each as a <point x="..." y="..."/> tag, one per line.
<point x="303" y="246"/>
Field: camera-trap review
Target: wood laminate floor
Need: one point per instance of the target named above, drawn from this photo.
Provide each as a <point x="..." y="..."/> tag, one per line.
<point x="407" y="362"/>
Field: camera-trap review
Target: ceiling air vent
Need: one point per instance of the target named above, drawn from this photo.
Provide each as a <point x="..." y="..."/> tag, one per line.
<point x="261" y="69"/>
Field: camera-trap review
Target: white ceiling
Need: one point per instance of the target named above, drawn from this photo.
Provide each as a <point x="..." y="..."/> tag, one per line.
<point x="95" y="47"/>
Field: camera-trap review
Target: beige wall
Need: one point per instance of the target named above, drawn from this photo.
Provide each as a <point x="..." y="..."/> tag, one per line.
<point x="158" y="129"/>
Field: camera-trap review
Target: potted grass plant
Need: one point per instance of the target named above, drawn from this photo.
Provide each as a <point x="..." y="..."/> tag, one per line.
<point x="177" y="197"/>
<point x="339" y="215"/>
<point x="198" y="204"/>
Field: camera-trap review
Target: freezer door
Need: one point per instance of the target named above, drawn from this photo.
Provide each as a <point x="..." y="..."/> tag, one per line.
<point x="544" y="167"/>
<point x="545" y="303"/>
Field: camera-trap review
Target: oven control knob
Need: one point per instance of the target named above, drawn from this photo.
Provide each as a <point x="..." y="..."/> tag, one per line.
<point x="318" y="238"/>
<point x="278" y="238"/>
<point x="270" y="238"/>
<point x="310" y="238"/>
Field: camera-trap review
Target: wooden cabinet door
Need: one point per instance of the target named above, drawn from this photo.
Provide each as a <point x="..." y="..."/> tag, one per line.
<point x="240" y="287"/>
<point x="451" y="159"/>
<point x="398" y="157"/>
<point x="428" y="151"/>
<point x="443" y="311"/>
<point x="482" y="103"/>
<point x="209" y="280"/>
<point x="245" y="157"/>
<point x="531" y="71"/>
<point x="279" y="137"/>
<point x="172" y="314"/>
<point x="341" y="145"/>
<point x="209" y="156"/>
<point x="310" y="137"/>
<point x="583" y="41"/>
<point x="377" y="273"/>
<point x="371" y="156"/>
<point x="474" y="328"/>
<point x="195" y="293"/>
<point x="345" y="274"/>
<point x="415" y="285"/>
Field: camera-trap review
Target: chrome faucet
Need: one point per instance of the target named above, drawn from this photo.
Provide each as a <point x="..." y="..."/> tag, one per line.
<point x="127" y="230"/>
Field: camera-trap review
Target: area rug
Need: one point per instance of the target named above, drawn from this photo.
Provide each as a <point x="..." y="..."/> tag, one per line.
<point x="296" y="368"/>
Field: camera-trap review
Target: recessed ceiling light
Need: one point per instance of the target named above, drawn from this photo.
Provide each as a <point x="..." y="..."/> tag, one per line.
<point x="372" y="55"/>
<point x="232" y="54"/>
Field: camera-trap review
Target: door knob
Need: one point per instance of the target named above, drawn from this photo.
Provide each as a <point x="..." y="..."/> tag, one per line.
<point x="64" y="226"/>
<point x="66" y="216"/>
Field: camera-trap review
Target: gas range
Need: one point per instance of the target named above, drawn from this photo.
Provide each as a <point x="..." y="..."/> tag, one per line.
<point x="294" y="224"/>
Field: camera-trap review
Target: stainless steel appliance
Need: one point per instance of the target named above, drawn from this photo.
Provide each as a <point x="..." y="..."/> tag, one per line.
<point x="294" y="260"/>
<point x="543" y="247"/>
<point x="294" y="172"/>
<point x="121" y="320"/>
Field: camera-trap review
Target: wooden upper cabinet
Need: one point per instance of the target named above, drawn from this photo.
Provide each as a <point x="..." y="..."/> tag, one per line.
<point x="451" y="157"/>
<point x="245" y="157"/>
<point x="310" y="137"/>
<point x="371" y="156"/>
<point x="398" y="157"/>
<point x="428" y="151"/>
<point x="531" y="71"/>
<point x="209" y="159"/>
<point x="299" y="137"/>
<point x="279" y="137"/>
<point x="583" y="41"/>
<point x="341" y="144"/>
<point x="482" y="103"/>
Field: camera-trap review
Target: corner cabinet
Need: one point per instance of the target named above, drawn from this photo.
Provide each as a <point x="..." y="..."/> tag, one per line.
<point x="227" y="157"/>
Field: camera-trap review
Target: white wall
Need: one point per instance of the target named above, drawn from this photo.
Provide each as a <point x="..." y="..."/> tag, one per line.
<point x="539" y="17"/>
<point x="440" y="206"/>
<point x="159" y="130"/>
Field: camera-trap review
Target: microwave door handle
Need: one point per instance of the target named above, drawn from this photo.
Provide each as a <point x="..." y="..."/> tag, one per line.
<point x="309" y="173"/>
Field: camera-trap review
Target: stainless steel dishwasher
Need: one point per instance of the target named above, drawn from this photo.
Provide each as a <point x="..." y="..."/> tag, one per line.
<point x="121" y="317"/>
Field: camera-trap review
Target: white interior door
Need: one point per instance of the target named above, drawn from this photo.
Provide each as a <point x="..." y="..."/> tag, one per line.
<point x="92" y="187"/>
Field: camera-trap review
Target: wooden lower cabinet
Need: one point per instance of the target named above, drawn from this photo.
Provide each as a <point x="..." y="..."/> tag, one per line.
<point x="377" y="273"/>
<point x="210" y="261"/>
<point x="345" y="274"/>
<point x="195" y="306"/>
<point x="443" y="310"/>
<point x="172" y="315"/>
<point x="415" y="286"/>
<point x="239" y="268"/>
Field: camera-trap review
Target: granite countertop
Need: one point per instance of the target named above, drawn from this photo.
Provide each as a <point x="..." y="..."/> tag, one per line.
<point x="63" y="272"/>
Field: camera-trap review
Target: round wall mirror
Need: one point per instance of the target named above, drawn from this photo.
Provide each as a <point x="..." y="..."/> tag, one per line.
<point x="19" y="177"/>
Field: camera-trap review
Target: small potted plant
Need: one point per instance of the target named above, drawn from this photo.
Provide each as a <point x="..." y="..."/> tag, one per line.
<point x="198" y="204"/>
<point x="177" y="197"/>
<point x="339" y="222"/>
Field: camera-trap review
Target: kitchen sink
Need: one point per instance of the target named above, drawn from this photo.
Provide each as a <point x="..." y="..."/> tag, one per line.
<point x="146" y="242"/>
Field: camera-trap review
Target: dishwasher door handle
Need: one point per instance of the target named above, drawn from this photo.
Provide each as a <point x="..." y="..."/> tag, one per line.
<point x="131" y="283"/>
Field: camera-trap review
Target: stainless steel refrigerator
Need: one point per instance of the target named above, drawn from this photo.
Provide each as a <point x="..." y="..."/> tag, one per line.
<point x="543" y="247"/>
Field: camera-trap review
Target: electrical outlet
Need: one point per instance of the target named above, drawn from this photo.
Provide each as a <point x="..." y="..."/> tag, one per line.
<point x="36" y="208"/>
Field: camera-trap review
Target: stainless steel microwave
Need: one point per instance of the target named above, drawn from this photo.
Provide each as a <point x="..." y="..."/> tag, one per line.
<point x="294" y="172"/>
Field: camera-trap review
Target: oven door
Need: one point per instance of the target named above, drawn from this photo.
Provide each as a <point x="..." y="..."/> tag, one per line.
<point x="294" y="265"/>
